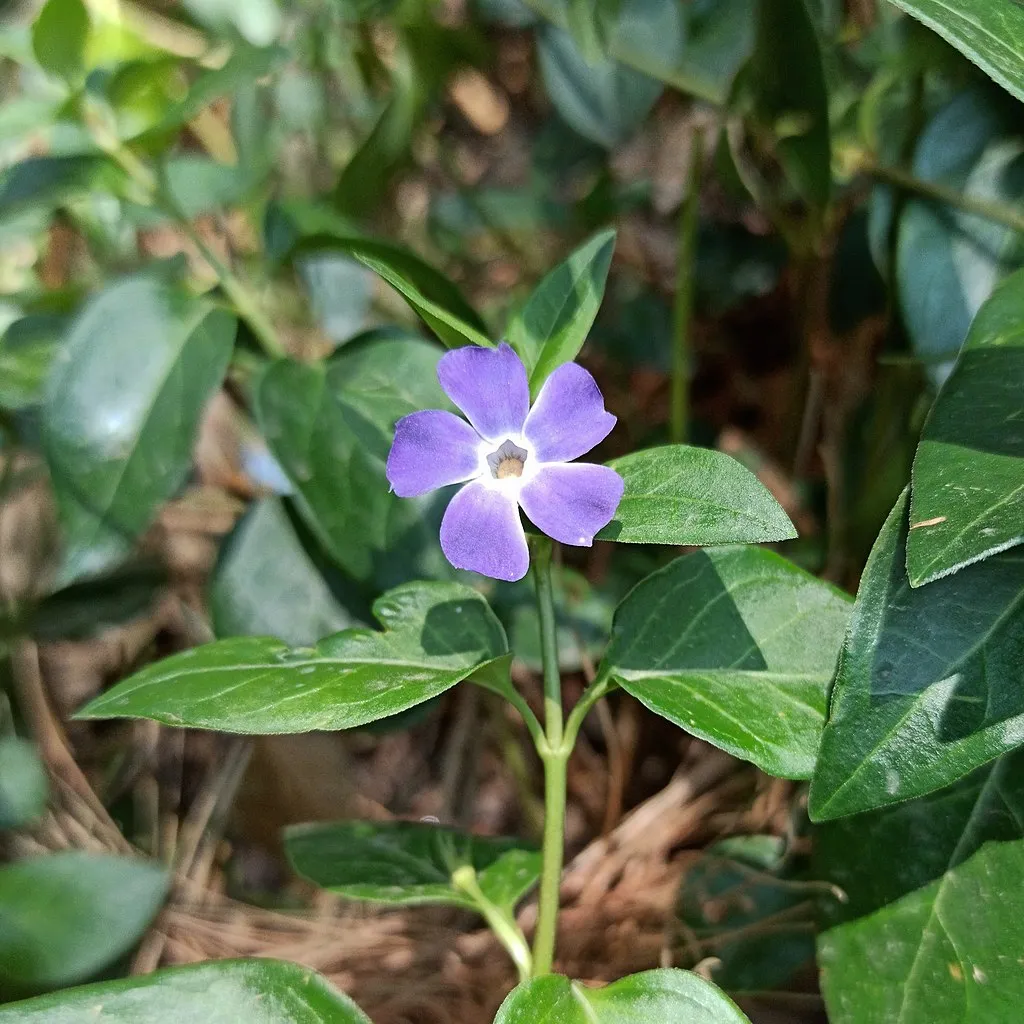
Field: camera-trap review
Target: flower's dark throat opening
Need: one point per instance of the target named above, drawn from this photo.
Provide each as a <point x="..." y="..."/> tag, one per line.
<point x="507" y="461"/>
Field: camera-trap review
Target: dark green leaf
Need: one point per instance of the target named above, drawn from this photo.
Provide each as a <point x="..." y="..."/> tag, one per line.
<point x="603" y="100"/>
<point x="736" y="646"/>
<point x="23" y="783"/>
<point x="943" y="954"/>
<point x="26" y="352"/>
<point x="928" y="685"/>
<point x="651" y="997"/>
<point x="67" y="915"/>
<point x="122" y="406"/>
<point x="968" y="491"/>
<point x="435" y="635"/>
<point x="719" y="37"/>
<point x="59" y="36"/>
<point x="554" y="323"/>
<point x="259" y="991"/>
<point x="436" y="299"/>
<point x="411" y="862"/>
<point x="790" y="99"/>
<point x="947" y="261"/>
<point x="266" y="585"/>
<point x="990" y="34"/>
<point x="684" y="495"/>
<point x="330" y="427"/>
<point x="49" y="181"/>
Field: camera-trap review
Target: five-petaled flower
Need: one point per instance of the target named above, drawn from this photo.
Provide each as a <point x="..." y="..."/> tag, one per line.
<point x="509" y="456"/>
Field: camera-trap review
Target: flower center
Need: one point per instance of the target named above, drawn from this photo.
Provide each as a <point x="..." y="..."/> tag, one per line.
<point x="507" y="461"/>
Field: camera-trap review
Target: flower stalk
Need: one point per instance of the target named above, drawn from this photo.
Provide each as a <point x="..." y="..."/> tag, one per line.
<point x="555" y="758"/>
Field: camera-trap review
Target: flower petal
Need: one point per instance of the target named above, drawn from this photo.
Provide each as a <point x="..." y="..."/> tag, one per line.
<point x="489" y="385"/>
<point x="482" y="531"/>
<point x="571" y="502"/>
<point x="431" y="449"/>
<point x="569" y="416"/>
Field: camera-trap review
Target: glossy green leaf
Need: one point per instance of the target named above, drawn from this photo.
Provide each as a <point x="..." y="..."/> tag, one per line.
<point x="790" y="99"/>
<point x="928" y="685"/>
<point x="435" y="298"/>
<point x="967" y="500"/>
<point x="411" y="862"/>
<point x="736" y="646"/>
<point x="601" y="99"/>
<point x="67" y="915"/>
<point x="259" y="991"/>
<point x="990" y="33"/>
<point x="265" y="583"/>
<point x="719" y="37"/>
<point x="553" y="325"/>
<point x="435" y="635"/>
<point x="23" y="782"/>
<point x="59" y="36"/>
<point x="679" y="494"/>
<point x="121" y="410"/>
<point x="651" y="997"/>
<point x="49" y="181"/>
<point x="943" y="954"/>
<point x="26" y="353"/>
<point x="330" y="427"/>
<point x="948" y="262"/>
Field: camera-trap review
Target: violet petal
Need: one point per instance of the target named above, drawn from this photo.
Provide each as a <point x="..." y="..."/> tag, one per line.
<point x="572" y="501"/>
<point x="569" y="416"/>
<point x="431" y="449"/>
<point x="489" y="385"/>
<point x="482" y="531"/>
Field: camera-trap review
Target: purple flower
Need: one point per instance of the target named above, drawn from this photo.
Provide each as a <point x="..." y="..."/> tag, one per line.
<point x="510" y="457"/>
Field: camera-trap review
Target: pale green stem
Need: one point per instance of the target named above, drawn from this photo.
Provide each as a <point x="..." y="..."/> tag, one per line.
<point x="498" y="920"/>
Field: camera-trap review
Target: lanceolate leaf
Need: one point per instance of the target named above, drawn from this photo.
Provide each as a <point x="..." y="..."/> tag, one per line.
<point x="736" y="646"/>
<point x="928" y="684"/>
<point x="330" y="427"/>
<point x="259" y="991"/>
<point x="411" y="862"/>
<point x="554" y="323"/>
<point x="122" y="405"/>
<point x="683" y="495"/>
<point x="68" y="915"/>
<point x="435" y="635"/>
<point x="651" y="997"/>
<point x="990" y="34"/>
<point x="968" y="490"/>
<point x="940" y="955"/>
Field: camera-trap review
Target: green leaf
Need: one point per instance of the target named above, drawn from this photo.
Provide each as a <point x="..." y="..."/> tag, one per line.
<point x="736" y="646"/>
<point x="435" y="635"/>
<point x="121" y="410"/>
<point x="411" y="862"/>
<point x="554" y="323"/>
<point x="26" y="353"/>
<point x="651" y="997"/>
<point x="603" y="100"/>
<point x="68" y="915"/>
<point x="435" y="298"/>
<point x="257" y="21"/>
<point x="990" y="34"/>
<point x="339" y="293"/>
<point x="947" y="261"/>
<point x="968" y="485"/>
<point x="265" y="583"/>
<point x="260" y="991"/>
<point x="928" y="685"/>
<point x="790" y="99"/>
<point x="197" y="184"/>
<point x="330" y="426"/>
<point x="50" y="181"/>
<point x="59" y="36"/>
<point x="23" y="783"/>
<point x="940" y="955"/>
<point x="678" y="494"/>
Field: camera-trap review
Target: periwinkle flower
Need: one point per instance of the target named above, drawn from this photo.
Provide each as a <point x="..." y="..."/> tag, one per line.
<point x="509" y="456"/>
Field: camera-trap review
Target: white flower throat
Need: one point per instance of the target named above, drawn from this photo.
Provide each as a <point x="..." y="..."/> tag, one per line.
<point x="507" y="467"/>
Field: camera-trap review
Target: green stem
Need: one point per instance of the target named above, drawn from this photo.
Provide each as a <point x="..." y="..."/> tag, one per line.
<point x="999" y="213"/>
<point x="683" y="309"/>
<point x="555" y="758"/>
<point x="498" y="920"/>
<point x="599" y="688"/>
